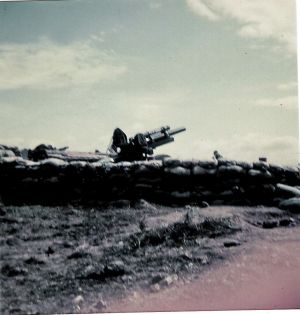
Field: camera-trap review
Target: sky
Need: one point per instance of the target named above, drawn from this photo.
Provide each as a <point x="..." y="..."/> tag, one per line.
<point x="71" y="71"/>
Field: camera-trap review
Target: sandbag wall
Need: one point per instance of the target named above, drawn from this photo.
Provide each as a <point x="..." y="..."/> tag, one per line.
<point x="169" y="182"/>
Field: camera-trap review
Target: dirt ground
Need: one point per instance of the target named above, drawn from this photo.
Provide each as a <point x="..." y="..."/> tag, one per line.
<point x="85" y="260"/>
<point x="264" y="276"/>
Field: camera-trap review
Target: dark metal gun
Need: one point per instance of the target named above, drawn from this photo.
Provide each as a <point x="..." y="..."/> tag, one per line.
<point x="141" y="146"/>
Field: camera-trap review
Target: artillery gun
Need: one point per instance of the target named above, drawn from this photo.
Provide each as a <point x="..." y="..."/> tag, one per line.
<point x="139" y="147"/>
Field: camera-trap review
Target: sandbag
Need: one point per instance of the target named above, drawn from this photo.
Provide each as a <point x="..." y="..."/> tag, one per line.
<point x="291" y="169"/>
<point x="188" y="163"/>
<point x="54" y="162"/>
<point x="244" y="165"/>
<point x="226" y="162"/>
<point x="276" y="169"/>
<point x="181" y="195"/>
<point x="292" y="205"/>
<point x="6" y="153"/>
<point x="292" y="190"/>
<point x="207" y="164"/>
<point x="124" y="164"/>
<point x="180" y="171"/>
<point x="231" y="170"/>
<point x="13" y="160"/>
<point x="171" y="162"/>
<point x="261" y="165"/>
<point x="78" y="164"/>
<point x="200" y="171"/>
<point x="259" y="174"/>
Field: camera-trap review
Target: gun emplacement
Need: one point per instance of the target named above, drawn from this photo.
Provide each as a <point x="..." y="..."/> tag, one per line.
<point x="141" y="146"/>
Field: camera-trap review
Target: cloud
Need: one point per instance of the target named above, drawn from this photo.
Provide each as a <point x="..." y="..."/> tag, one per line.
<point x="48" y="65"/>
<point x="287" y="86"/>
<point x="98" y="37"/>
<point x="286" y="102"/>
<point x="263" y="19"/>
<point x="202" y="9"/>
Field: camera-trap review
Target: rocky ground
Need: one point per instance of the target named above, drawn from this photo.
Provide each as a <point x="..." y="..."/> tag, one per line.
<point x="75" y="260"/>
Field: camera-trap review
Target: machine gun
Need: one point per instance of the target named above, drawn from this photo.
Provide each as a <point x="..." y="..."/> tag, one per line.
<point x="141" y="146"/>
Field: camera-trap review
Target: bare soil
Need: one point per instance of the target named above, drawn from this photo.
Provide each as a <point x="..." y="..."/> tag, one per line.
<point x="85" y="260"/>
<point x="264" y="276"/>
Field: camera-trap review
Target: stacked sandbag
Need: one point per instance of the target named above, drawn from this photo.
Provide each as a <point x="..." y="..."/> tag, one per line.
<point x="146" y="181"/>
<point x="170" y="182"/>
<point x="5" y="152"/>
<point x="291" y="199"/>
<point x="10" y="151"/>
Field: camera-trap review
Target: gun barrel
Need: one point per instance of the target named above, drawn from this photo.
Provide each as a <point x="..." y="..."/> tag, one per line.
<point x="160" y="142"/>
<point x="156" y="131"/>
<point x="176" y="130"/>
<point x="163" y="136"/>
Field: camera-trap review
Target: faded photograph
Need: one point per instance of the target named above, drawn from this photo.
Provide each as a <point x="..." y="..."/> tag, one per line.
<point x="149" y="156"/>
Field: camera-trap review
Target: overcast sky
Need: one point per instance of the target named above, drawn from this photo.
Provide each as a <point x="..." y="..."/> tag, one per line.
<point x="72" y="71"/>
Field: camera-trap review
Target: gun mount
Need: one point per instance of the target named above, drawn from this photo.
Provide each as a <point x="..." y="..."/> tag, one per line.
<point x="141" y="146"/>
